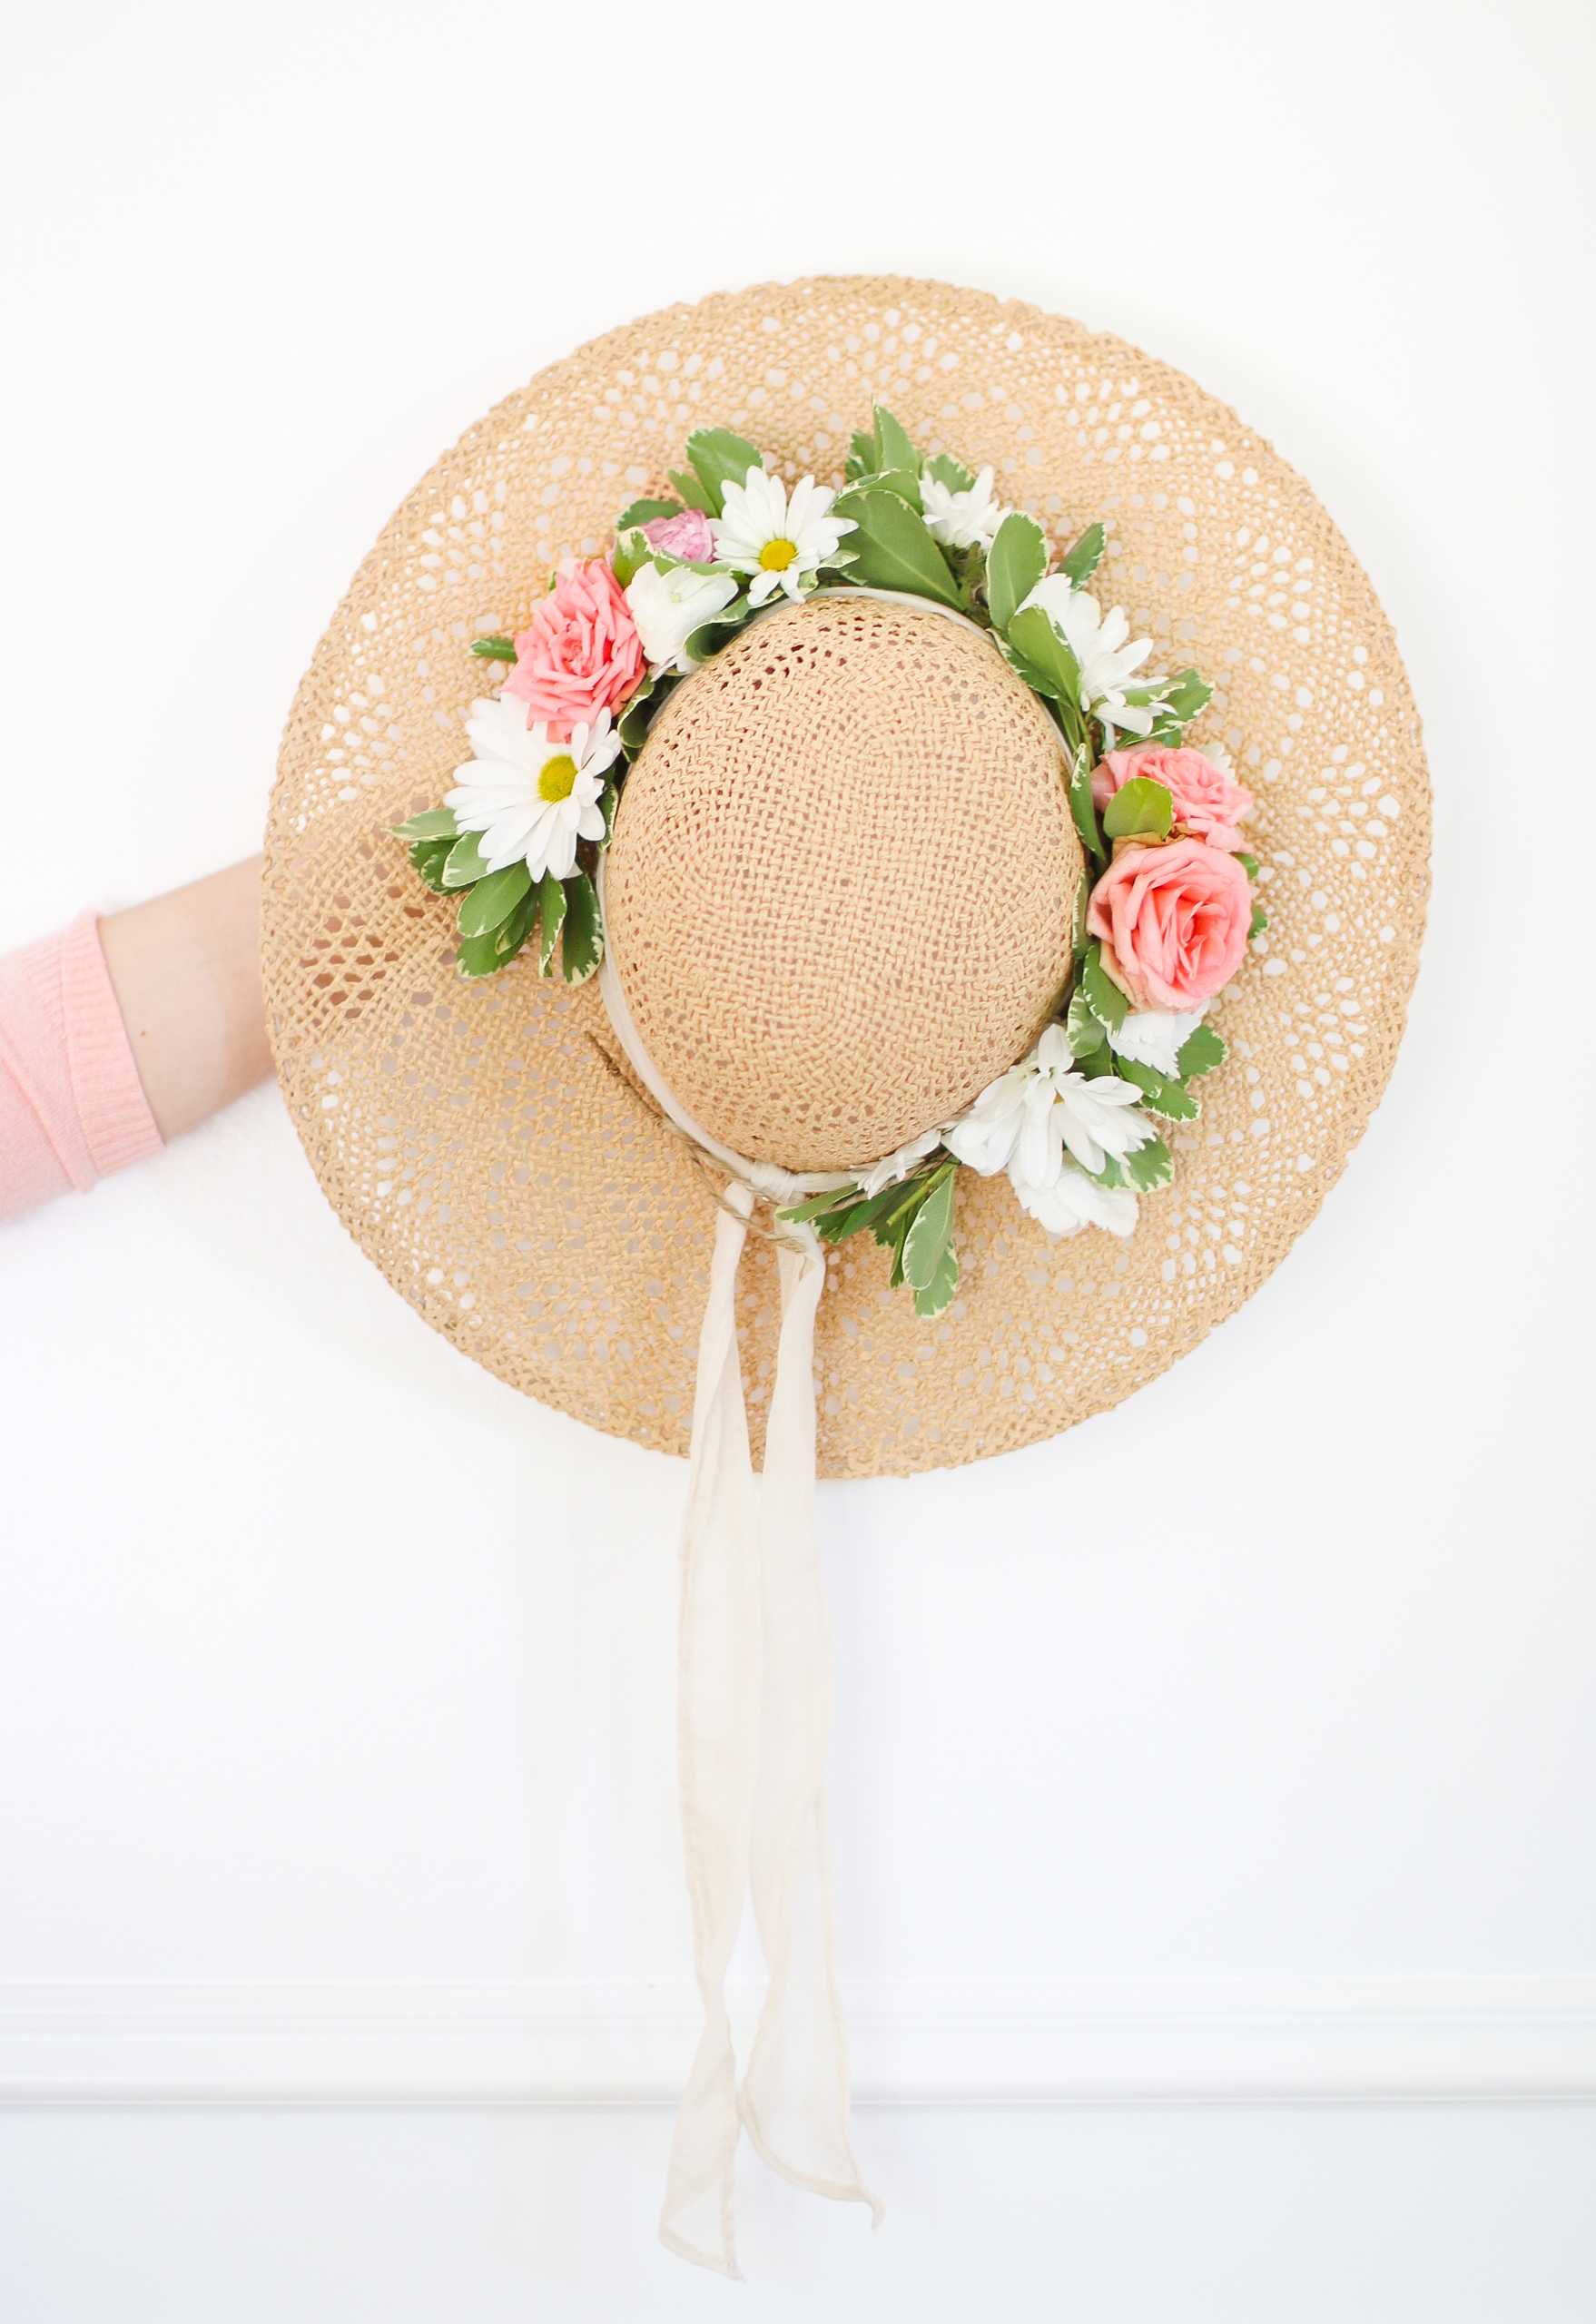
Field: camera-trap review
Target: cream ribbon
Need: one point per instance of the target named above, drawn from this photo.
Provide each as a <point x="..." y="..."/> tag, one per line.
<point x="753" y="1713"/>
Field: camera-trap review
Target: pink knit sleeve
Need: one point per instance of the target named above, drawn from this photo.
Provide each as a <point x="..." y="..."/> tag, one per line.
<point x="71" y="1105"/>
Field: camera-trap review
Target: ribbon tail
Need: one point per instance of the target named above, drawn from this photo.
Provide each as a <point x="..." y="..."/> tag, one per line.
<point x="794" y="2097"/>
<point x="717" y="1723"/>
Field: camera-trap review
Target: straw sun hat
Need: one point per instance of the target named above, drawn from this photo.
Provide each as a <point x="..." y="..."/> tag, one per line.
<point x="477" y="1139"/>
<point x="841" y="900"/>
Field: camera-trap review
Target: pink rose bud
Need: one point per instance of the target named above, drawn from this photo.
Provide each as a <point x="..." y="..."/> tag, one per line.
<point x="1206" y="803"/>
<point x="1173" y="921"/>
<point x="580" y="654"/>
<point x="686" y="535"/>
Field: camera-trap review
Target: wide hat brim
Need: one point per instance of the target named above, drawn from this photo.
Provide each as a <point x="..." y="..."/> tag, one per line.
<point x="483" y="1141"/>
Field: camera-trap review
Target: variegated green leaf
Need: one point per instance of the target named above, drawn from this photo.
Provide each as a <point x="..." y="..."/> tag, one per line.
<point x="581" y="941"/>
<point x="551" y="912"/>
<point x="1103" y="995"/>
<point x="464" y="863"/>
<point x="1015" y="562"/>
<point x="492" y="900"/>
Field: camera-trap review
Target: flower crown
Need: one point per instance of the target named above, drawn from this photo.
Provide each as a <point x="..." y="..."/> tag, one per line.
<point x="1164" y="908"/>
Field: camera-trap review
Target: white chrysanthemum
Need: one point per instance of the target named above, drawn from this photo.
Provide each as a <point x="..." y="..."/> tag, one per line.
<point x="893" y="1167"/>
<point x="1073" y="1201"/>
<point x="667" y="607"/>
<point x="961" y="520"/>
<point x="776" y="540"/>
<point x="1105" y="651"/>
<point x="1154" y="1037"/>
<point x="1023" y="1121"/>
<point x="531" y="799"/>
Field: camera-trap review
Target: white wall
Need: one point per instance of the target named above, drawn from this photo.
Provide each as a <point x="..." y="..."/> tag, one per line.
<point x="336" y="1750"/>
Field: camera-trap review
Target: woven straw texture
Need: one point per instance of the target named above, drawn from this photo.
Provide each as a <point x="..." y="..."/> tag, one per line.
<point x="843" y="882"/>
<point x="477" y="1140"/>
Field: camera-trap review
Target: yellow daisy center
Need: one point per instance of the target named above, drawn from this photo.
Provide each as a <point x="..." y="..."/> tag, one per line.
<point x="776" y="555"/>
<point x="558" y="778"/>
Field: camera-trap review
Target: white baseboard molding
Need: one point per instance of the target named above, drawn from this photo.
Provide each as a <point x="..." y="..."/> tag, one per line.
<point x="1214" y="2041"/>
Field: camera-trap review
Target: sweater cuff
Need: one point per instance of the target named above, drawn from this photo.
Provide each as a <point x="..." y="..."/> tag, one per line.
<point x="117" y="1124"/>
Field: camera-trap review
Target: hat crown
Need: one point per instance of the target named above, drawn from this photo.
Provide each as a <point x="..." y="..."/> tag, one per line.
<point x="840" y="895"/>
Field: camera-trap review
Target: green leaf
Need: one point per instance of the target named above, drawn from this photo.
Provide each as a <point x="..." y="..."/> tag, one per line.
<point x="1083" y="896"/>
<point x="1249" y="864"/>
<point x="1260" y="921"/>
<point x="646" y="512"/>
<point x="1161" y="1093"/>
<point x="464" y="862"/>
<point x="938" y="1294"/>
<point x="693" y="493"/>
<point x="951" y="472"/>
<point x="609" y="799"/>
<point x="719" y="458"/>
<point x="853" y="1214"/>
<point x="1140" y="808"/>
<point x="581" y="944"/>
<point x="893" y="548"/>
<point x="893" y="447"/>
<point x="1188" y="693"/>
<point x="896" y="1238"/>
<point x="1082" y="808"/>
<point x="438" y="822"/>
<point x="1015" y="562"/>
<point x="864" y="453"/>
<point x="492" y="900"/>
<point x="494" y="649"/>
<point x="1149" y="1168"/>
<point x="840" y="1199"/>
<point x="1085" y="557"/>
<point x="476" y="956"/>
<point x="837" y="1226"/>
<point x="634" y="723"/>
<point x="429" y="856"/>
<point x="630" y="555"/>
<point x="1200" y="1052"/>
<point x="551" y="911"/>
<point x="1032" y="635"/>
<point x="929" y="1235"/>
<point x="1085" y="1031"/>
<point x="1103" y="995"/>
<point x="1177" y="701"/>
<point x="707" y="641"/>
<point x="902" y="481"/>
<point x="513" y="930"/>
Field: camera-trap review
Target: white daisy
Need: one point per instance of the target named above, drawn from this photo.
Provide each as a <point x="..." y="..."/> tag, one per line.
<point x="531" y="799"/>
<point x="961" y="520"/>
<point x="893" y="1167"/>
<point x="776" y="540"/>
<point x="1154" y="1037"/>
<point x="1023" y="1121"/>
<point x="1104" y="650"/>
<point x="1073" y="1201"/>
<point x="667" y="607"/>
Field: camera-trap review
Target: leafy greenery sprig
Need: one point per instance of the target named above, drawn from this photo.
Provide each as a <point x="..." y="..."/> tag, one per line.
<point x="913" y="1220"/>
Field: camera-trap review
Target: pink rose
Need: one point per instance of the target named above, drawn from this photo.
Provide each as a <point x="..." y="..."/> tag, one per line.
<point x="1206" y="803"/>
<point x="581" y="653"/>
<point x="1173" y="921"/>
<point x="685" y="535"/>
